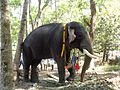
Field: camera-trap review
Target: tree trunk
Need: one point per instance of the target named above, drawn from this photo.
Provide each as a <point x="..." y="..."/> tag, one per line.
<point x="21" y="37"/>
<point x="104" y="55"/>
<point x="6" y="51"/>
<point x="93" y="19"/>
<point x="107" y="53"/>
<point x="32" y="24"/>
<point x="0" y="51"/>
<point x="56" y="11"/>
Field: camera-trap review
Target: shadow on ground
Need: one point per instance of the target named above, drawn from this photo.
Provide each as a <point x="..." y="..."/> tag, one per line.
<point x="91" y="82"/>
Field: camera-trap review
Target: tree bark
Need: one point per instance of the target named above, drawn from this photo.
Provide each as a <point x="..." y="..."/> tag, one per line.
<point x="93" y="19"/>
<point x="31" y="15"/>
<point x="104" y="54"/>
<point x="6" y="50"/>
<point x="21" y="37"/>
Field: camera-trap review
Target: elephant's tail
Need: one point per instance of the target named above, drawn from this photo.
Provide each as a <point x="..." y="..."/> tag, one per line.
<point x="22" y="44"/>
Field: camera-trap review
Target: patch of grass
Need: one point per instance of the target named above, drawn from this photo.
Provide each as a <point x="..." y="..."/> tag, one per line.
<point x="112" y="67"/>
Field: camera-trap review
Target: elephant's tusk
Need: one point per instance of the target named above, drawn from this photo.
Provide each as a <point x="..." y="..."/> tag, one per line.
<point x="88" y="54"/>
<point x="97" y="55"/>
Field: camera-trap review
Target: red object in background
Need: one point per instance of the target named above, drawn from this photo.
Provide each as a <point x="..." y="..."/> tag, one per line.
<point x="77" y="67"/>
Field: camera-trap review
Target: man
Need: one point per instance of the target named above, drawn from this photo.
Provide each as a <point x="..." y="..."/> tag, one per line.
<point x="74" y="58"/>
<point x="52" y="63"/>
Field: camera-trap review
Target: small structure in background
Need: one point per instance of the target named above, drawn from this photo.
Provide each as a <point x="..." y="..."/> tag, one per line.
<point x="114" y="57"/>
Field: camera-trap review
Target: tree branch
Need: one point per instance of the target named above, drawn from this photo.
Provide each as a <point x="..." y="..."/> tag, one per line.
<point x="88" y="24"/>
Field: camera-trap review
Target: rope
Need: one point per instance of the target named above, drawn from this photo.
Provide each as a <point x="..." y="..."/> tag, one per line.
<point x="63" y="46"/>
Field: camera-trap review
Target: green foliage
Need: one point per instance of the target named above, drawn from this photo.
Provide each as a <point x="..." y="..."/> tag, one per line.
<point x="34" y="11"/>
<point x="15" y="27"/>
<point x="65" y="11"/>
<point x="108" y="18"/>
<point x="15" y="3"/>
<point x="112" y="68"/>
<point x="15" y="6"/>
<point x="107" y="31"/>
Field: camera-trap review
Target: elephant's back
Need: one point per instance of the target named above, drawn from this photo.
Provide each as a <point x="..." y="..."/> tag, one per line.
<point x="41" y="39"/>
<point x="44" y="31"/>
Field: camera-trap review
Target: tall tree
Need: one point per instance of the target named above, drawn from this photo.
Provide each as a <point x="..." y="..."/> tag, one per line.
<point x="92" y="22"/>
<point x="21" y="36"/>
<point x="6" y="51"/>
<point x="93" y="19"/>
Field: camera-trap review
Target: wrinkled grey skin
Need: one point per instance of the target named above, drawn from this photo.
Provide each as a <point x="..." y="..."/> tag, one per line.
<point x="46" y="41"/>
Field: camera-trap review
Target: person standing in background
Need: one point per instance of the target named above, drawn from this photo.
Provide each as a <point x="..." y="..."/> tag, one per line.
<point x="52" y="63"/>
<point x="74" y="58"/>
<point x="45" y="62"/>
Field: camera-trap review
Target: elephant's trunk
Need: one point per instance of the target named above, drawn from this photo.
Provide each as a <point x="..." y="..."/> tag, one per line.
<point x="86" y="63"/>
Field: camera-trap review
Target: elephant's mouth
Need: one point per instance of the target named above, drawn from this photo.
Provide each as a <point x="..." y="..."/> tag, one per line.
<point x="85" y="51"/>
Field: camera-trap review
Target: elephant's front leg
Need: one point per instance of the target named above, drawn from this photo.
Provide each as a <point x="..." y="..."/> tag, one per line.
<point x="61" y="70"/>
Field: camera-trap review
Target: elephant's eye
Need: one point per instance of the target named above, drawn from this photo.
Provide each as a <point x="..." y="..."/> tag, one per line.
<point x="79" y="35"/>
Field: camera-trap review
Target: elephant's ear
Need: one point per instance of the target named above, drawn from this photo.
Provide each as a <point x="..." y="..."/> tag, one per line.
<point x="71" y="35"/>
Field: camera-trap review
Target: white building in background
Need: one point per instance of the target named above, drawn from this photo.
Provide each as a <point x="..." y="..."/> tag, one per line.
<point x="113" y="54"/>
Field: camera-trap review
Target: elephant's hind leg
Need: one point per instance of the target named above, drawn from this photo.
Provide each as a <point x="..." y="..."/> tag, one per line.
<point x="34" y="73"/>
<point x="26" y="73"/>
<point x="26" y="64"/>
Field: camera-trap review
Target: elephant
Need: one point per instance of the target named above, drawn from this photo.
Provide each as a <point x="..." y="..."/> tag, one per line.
<point x="47" y="41"/>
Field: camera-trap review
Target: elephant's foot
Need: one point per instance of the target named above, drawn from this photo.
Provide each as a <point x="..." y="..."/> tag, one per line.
<point x="26" y="80"/>
<point x="34" y="79"/>
<point x="62" y="81"/>
<point x="34" y="75"/>
<point x="60" y="84"/>
<point x="70" y="78"/>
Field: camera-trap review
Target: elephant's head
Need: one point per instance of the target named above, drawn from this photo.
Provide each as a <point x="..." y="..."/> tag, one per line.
<point x="79" y="38"/>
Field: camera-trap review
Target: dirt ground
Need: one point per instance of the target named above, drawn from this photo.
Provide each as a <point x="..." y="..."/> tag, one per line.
<point x="96" y="80"/>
